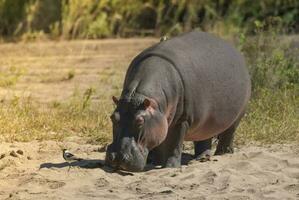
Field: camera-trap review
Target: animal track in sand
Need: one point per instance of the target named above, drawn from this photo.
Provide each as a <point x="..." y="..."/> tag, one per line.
<point x="292" y="188"/>
<point x="43" y="182"/>
<point x="102" y="182"/>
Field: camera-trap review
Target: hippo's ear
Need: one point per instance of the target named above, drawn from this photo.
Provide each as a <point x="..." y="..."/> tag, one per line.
<point x="150" y="103"/>
<point x="115" y="100"/>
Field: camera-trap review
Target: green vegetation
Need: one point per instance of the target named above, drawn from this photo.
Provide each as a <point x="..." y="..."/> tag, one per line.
<point x="272" y="117"/>
<point x="273" y="114"/>
<point x="32" y="19"/>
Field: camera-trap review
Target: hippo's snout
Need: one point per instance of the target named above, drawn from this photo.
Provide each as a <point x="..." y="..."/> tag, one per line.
<point x="129" y="157"/>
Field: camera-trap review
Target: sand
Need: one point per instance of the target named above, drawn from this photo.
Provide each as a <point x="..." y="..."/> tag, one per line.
<point x="39" y="172"/>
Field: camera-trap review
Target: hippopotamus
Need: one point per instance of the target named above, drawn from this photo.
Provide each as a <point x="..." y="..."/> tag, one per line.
<point x="192" y="87"/>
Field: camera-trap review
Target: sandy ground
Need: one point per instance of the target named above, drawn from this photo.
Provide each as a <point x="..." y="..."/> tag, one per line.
<point x="39" y="172"/>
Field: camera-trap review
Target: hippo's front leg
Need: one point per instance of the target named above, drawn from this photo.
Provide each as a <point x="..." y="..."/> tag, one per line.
<point x="173" y="145"/>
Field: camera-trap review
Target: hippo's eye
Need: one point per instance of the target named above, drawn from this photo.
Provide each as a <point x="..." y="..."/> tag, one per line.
<point x="115" y="117"/>
<point x="139" y="120"/>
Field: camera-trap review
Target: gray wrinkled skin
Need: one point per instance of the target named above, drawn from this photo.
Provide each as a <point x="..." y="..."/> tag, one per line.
<point x="129" y="151"/>
<point x="198" y="87"/>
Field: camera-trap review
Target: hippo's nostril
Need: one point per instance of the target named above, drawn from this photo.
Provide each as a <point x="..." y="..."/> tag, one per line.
<point x="111" y="158"/>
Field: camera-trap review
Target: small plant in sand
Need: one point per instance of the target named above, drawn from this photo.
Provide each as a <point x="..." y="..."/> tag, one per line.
<point x="10" y="76"/>
<point x="52" y="77"/>
<point x="70" y="75"/>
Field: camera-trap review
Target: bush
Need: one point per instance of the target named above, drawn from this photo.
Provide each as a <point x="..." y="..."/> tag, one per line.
<point x="103" y="18"/>
<point x="272" y="115"/>
<point x="270" y="62"/>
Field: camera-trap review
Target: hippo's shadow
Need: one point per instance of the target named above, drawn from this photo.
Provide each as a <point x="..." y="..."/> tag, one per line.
<point x="96" y="163"/>
<point x="186" y="158"/>
<point x="86" y="164"/>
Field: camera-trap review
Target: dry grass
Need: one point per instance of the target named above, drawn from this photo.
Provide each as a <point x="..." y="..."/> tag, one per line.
<point x="64" y="89"/>
<point x="57" y="89"/>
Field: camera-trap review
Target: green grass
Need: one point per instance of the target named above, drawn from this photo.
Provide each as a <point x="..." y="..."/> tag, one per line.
<point x="272" y="117"/>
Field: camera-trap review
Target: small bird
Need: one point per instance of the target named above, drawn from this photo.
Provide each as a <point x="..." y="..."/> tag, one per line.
<point x="164" y="38"/>
<point x="69" y="157"/>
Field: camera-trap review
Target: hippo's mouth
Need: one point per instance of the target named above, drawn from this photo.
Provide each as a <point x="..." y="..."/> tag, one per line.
<point x="131" y="157"/>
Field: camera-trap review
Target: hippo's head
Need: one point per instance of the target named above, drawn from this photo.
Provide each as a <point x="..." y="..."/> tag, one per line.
<point x="138" y="127"/>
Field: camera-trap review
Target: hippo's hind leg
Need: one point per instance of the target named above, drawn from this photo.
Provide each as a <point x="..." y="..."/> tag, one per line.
<point x="226" y="138"/>
<point x="202" y="150"/>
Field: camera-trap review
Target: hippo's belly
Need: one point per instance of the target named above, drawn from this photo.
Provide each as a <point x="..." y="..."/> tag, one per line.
<point x="207" y="130"/>
<point x="200" y="134"/>
<point x="213" y="122"/>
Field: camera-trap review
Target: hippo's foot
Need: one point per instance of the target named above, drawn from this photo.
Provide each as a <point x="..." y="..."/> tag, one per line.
<point x="221" y="151"/>
<point x="204" y="156"/>
<point x="173" y="162"/>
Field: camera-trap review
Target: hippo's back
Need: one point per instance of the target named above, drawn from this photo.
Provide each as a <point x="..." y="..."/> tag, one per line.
<point x="216" y="81"/>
